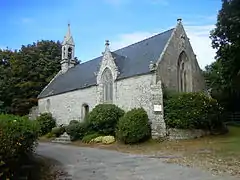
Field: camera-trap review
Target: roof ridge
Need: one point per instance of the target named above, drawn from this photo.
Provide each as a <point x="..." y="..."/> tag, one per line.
<point x="131" y="44"/>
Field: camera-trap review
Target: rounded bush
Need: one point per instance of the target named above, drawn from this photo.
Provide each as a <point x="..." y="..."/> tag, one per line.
<point x="46" y="123"/>
<point x="58" y="131"/>
<point x="133" y="127"/>
<point x="192" y="111"/>
<point x="104" y="118"/>
<point x="76" y="131"/>
<point x="50" y="135"/>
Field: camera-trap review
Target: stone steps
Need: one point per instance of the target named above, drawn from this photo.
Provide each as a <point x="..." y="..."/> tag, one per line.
<point x="65" y="139"/>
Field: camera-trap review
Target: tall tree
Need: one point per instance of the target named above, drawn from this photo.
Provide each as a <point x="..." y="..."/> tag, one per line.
<point x="6" y="83"/>
<point x="226" y="40"/>
<point x="26" y="72"/>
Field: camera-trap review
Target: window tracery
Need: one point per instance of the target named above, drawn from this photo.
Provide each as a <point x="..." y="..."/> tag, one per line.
<point x="107" y="81"/>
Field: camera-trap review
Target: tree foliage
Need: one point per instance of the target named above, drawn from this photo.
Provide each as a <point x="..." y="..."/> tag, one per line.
<point x="24" y="73"/>
<point x="224" y="75"/>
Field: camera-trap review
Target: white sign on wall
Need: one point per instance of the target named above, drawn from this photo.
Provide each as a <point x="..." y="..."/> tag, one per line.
<point x="157" y="108"/>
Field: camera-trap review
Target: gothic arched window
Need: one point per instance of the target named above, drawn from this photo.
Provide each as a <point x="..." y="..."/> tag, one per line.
<point x="182" y="72"/>
<point x="107" y="81"/>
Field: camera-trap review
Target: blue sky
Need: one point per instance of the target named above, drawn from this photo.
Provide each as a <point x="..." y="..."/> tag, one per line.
<point x="123" y="22"/>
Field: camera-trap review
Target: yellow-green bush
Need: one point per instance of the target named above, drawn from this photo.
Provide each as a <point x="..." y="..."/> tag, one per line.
<point x="103" y="139"/>
<point x="108" y="139"/>
<point x="18" y="136"/>
<point x="87" y="138"/>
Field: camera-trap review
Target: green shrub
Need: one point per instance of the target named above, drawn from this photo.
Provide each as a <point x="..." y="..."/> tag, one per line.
<point x="192" y="111"/>
<point x="50" y="135"/>
<point x="103" y="118"/>
<point x="133" y="127"/>
<point x="76" y="131"/>
<point x="87" y="138"/>
<point x="46" y="122"/>
<point x="58" y="131"/>
<point x="18" y="136"/>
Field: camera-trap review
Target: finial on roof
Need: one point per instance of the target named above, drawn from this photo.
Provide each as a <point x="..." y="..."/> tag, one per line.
<point x="69" y="31"/>
<point x="152" y="66"/>
<point x="107" y="45"/>
<point x="179" y="20"/>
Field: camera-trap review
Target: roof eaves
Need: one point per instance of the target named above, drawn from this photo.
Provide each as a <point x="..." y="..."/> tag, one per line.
<point x="59" y="73"/>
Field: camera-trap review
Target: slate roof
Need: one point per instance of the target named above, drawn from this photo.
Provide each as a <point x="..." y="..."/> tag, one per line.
<point x="131" y="61"/>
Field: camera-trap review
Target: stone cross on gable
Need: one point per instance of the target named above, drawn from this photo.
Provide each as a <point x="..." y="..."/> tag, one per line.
<point x="107" y="45"/>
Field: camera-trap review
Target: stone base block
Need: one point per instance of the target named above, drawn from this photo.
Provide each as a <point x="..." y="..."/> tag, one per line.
<point x="177" y="134"/>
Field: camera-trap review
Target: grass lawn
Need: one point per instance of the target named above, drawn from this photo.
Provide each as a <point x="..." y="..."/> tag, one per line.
<point x="219" y="154"/>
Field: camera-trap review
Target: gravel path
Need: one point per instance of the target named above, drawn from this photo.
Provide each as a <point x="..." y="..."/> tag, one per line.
<point x="83" y="163"/>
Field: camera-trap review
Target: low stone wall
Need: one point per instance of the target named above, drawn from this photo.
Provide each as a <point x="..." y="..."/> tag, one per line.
<point x="175" y="134"/>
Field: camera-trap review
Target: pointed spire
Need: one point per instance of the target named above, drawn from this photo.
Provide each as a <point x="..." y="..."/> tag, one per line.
<point x="68" y="39"/>
<point x="69" y="31"/>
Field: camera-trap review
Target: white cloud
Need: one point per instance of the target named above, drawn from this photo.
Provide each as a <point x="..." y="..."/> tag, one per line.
<point x="201" y="43"/>
<point x="199" y="39"/>
<point x="3" y="47"/>
<point x="127" y="39"/>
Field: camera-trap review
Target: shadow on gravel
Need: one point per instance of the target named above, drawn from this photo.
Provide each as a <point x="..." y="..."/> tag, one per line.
<point x="46" y="168"/>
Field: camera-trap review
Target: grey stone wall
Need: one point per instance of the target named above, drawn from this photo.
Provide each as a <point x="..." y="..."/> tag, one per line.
<point x="167" y="65"/>
<point x="68" y="106"/>
<point x="134" y="92"/>
<point x="141" y="91"/>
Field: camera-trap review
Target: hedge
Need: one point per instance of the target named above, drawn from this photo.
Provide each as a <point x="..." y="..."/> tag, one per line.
<point x="18" y="137"/>
<point x="192" y="111"/>
<point x="46" y="122"/>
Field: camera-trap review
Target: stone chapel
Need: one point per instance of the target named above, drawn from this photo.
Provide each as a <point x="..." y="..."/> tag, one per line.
<point x="128" y="77"/>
